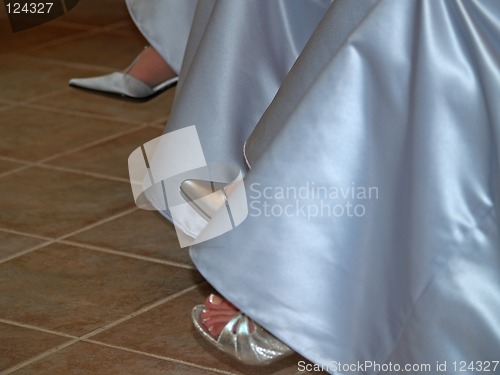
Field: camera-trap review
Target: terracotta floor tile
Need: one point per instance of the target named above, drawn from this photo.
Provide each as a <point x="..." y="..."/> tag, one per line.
<point x="33" y="37"/>
<point x="97" y="13"/>
<point x="156" y="109"/>
<point x="90" y="359"/>
<point x="18" y="344"/>
<point x="53" y="203"/>
<point x="4" y="102"/>
<point x="128" y="29"/>
<point x="73" y="290"/>
<point x="109" y="158"/>
<point x="11" y="244"/>
<point x="104" y="50"/>
<point x="159" y="125"/>
<point x="141" y="232"/>
<point x="4" y="106"/>
<point x="33" y="134"/>
<point x="167" y="330"/>
<point x="23" y="78"/>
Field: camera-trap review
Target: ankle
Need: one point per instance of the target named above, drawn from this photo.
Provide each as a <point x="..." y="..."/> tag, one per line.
<point x="150" y="68"/>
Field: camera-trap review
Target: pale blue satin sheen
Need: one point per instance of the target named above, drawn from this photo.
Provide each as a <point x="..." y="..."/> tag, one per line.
<point x="406" y="100"/>
<point x="166" y="25"/>
<point x="237" y="56"/>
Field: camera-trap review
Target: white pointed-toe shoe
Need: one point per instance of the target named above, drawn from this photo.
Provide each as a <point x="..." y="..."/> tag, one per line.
<point x="122" y="85"/>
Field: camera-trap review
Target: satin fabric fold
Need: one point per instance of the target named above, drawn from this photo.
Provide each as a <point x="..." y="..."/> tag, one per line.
<point x="166" y="25"/>
<point x="374" y="189"/>
<point x="405" y="103"/>
<point x="237" y="56"/>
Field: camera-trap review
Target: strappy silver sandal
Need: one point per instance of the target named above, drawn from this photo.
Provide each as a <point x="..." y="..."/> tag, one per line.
<point x="236" y="339"/>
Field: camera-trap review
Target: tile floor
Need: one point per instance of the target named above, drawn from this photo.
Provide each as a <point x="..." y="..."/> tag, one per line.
<point x="89" y="284"/>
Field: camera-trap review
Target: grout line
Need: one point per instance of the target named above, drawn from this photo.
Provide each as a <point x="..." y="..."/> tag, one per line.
<point x="48" y="241"/>
<point x="62" y="169"/>
<point x="96" y="224"/>
<point x="62" y="240"/>
<point x="41" y="162"/>
<point x="140" y="311"/>
<point x="81" y="172"/>
<point x="84" y="34"/>
<point x="51" y="241"/>
<point x="14" y="160"/>
<point x="6" y="230"/>
<point x="70" y="64"/>
<point x="31" y="105"/>
<point x="65" y="169"/>
<point x="27" y="251"/>
<point x="157" y="356"/>
<point x="159" y="124"/>
<point x="52" y="43"/>
<point x="91" y="144"/>
<point x="113" y="26"/>
<point x="15" y="170"/>
<point x="128" y="255"/>
<point x="24" y="102"/>
<point x="39" y="357"/>
<point x="70" y="25"/>
<point x="27" y="101"/>
<point x="85" y="338"/>
<point x="35" y="328"/>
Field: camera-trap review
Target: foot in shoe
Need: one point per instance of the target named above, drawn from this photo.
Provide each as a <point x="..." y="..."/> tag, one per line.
<point x="150" y="68"/>
<point x="217" y="313"/>
<point x="148" y="76"/>
<point x="231" y="331"/>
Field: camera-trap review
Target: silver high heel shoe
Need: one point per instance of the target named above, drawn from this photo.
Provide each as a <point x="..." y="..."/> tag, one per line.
<point x="236" y="339"/>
